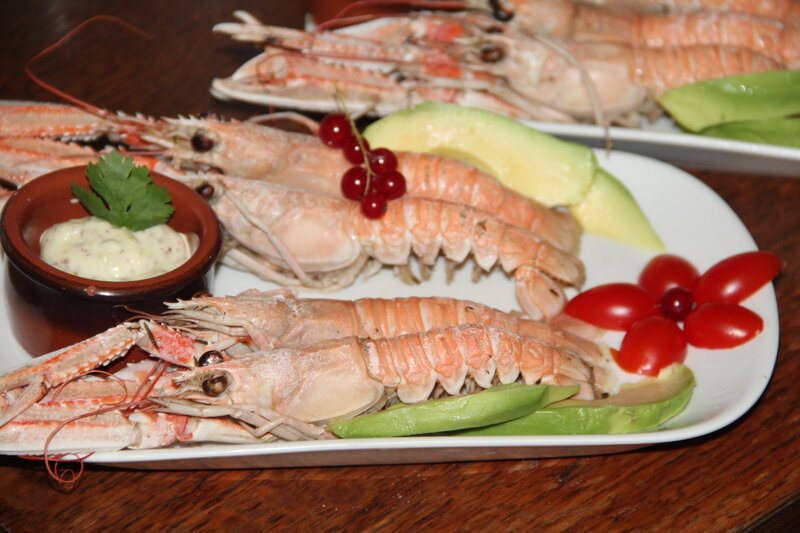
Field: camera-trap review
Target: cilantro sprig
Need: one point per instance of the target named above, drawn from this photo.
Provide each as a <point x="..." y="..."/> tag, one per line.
<point x="124" y="194"/>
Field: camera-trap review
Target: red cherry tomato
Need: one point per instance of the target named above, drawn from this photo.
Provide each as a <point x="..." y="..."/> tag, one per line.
<point x="613" y="306"/>
<point x="666" y="271"/>
<point x="721" y="325"/>
<point x="651" y="344"/>
<point x="737" y="277"/>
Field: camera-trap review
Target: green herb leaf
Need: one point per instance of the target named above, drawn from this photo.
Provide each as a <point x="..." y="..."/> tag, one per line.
<point x="124" y="194"/>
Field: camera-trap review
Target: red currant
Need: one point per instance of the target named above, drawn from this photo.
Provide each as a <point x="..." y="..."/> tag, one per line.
<point x="381" y="160"/>
<point x="354" y="183"/>
<point x="391" y="184"/>
<point x="373" y="205"/>
<point x="335" y="130"/>
<point x="352" y="150"/>
<point x="677" y="303"/>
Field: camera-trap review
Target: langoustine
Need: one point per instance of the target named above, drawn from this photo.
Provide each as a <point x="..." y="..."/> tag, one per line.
<point x="271" y="320"/>
<point x="255" y="151"/>
<point x="483" y="64"/>
<point x="29" y="146"/>
<point x="297" y="238"/>
<point x="775" y="9"/>
<point x="285" y="393"/>
<point x="771" y="29"/>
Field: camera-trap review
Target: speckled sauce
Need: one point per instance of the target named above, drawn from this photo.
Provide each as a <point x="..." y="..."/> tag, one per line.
<point x="93" y="248"/>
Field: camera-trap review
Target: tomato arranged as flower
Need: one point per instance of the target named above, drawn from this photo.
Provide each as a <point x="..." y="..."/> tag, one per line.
<point x="613" y="306"/>
<point x="721" y="325"/>
<point x="737" y="277"/>
<point x="666" y="271"/>
<point x="650" y="345"/>
<point x="670" y="291"/>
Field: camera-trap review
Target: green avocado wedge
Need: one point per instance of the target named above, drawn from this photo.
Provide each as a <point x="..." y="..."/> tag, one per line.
<point x="534" y="163"/>
<point x="780" y="131"/>
<point x="760" y="96"/>
<point x="610" y="210"/>
<point x="638" y="407"/>
<point x="490" y="406"/>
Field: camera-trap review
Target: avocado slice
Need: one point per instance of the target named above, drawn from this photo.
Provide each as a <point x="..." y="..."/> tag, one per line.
<point x="780" y="131"/>
<point x="637" y="407"/>
<point x="610" y="210"/>
<point x="490" y="406"/>
<point x="552" y="171"/>
<point x="534" y="163"/>
<point x="759" y="96"/>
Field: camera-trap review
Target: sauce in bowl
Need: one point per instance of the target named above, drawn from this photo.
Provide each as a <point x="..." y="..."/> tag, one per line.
<point x="49" y="308"/>
<point x="96" y="249"/>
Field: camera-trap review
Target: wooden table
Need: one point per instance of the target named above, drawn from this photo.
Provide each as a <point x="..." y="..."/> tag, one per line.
<point x="742" y="477"/>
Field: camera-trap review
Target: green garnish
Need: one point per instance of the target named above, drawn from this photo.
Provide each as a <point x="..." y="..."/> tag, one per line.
<point x="485" y="408"/>
<point x="124" y="194"/>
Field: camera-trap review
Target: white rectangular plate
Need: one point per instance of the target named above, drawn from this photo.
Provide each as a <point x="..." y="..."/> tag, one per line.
<point x="663" y="140"/>
<point x="693" y="222"/>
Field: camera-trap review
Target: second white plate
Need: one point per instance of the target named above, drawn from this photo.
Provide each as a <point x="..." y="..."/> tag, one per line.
<point x="663" y="140"/>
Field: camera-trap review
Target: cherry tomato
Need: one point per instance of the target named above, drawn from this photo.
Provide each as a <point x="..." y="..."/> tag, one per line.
<point x="721" y="325"/>
<point x="613" y="306"/>
<point x="666" y="271"/>
<point x="737" y="277"/>
<point x="651" y="344"/>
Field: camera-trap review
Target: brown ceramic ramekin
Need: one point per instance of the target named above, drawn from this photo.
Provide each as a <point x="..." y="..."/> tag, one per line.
<point x="50" y="309"/>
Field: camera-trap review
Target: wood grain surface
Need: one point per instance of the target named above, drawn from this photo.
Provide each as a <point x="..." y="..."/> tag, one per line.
<point x="745" y="476"/>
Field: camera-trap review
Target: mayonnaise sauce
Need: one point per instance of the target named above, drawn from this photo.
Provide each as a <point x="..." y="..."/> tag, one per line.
<point x="96" y="249"/>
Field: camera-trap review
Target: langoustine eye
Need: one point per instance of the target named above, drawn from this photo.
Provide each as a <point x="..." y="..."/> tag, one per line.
<point x="206" y="190"/>
<point x="211" y="357"/>
<point x="492" y="53"/>
<point x="215" y="385"/>
<point x="202" y="141"/>
<point x="499" y="12"/>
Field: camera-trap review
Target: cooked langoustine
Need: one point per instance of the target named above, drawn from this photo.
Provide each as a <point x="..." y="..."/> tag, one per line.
<point x="40" y="137"/>
<point x="777" y="37"/>
<point x="29" y="148"/>
<point x="272" y="320"/>
<point x="255" y="151"/>
<point x="488" y="65"/>
<point x="298" y="238"/>
<point x="288" y="393"/>
<point x="776" y="9"/>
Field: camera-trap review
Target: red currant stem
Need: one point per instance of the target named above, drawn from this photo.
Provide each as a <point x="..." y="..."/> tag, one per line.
<point x="359" y="138"/>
